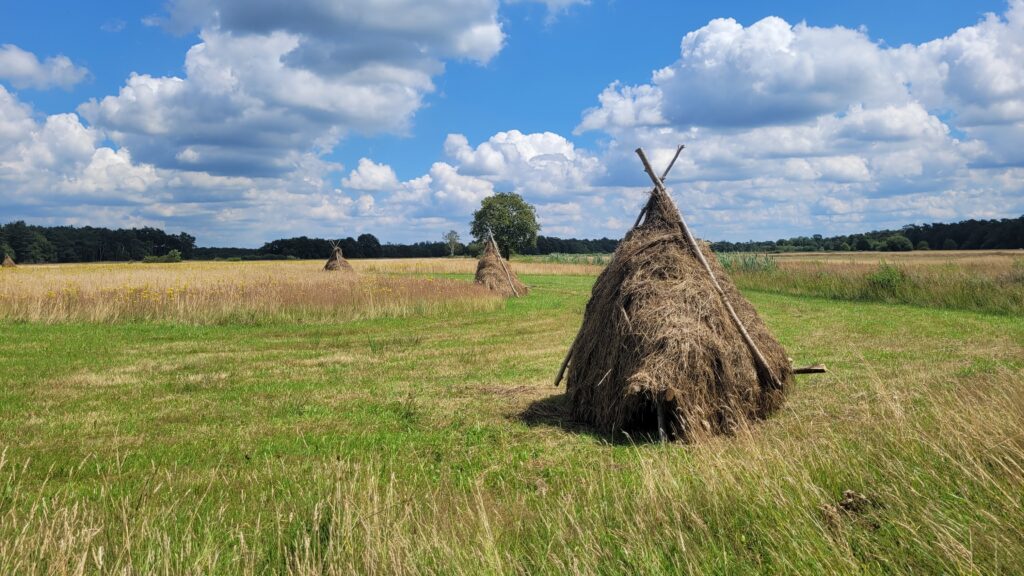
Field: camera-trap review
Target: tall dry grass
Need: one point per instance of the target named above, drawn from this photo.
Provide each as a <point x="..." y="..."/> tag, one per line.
<point x="222" y="292"/>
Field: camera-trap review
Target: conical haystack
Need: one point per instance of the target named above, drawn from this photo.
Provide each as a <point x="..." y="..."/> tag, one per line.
<point x="8" y="261"/>
<point x="496" y="275"/>
<point x="657" y="332"/>
<point x="337" y="261"/>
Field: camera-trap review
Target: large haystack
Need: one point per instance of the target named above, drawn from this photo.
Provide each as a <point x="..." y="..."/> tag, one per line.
<point x="656" y="331"/>
<point x="8" y="261"/>
<point x="337" y="261"/>
<point x="494" y="272"/>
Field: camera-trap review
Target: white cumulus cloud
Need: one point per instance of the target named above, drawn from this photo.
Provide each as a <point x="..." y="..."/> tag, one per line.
<point x="24" y="70"/>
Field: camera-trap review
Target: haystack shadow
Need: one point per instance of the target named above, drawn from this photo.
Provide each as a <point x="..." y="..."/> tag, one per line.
<point x="554" y="411"/>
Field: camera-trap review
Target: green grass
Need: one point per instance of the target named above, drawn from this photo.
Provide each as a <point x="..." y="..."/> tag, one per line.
<point x="558" y="258"/>
<point x="398" y="446"/>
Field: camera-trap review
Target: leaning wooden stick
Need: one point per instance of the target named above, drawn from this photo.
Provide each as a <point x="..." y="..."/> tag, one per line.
<point x="692" y="242"/>
<point x="572" y="347"/>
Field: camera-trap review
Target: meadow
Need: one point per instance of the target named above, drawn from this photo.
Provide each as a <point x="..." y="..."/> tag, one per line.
<point x="983" y="281"/>
<point x="242" y="435"/>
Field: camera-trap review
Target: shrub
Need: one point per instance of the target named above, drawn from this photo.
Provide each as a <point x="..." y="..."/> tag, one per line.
<point x="172" y="256"/>
<point x="922" y="245"/>
<point x="887" y="279"/>
<point x="898" y="243"/>
<point x="949" y="244"/>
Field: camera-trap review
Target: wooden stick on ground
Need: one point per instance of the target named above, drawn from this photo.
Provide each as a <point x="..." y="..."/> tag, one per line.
<point x="814" y="369"/>
<point x="572" y="347"/>
<point x="692" y="242"/>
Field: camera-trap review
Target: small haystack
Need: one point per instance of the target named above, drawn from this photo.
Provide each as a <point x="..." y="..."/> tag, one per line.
<point x="337" y="261"/>
<point x="8" y="261"/>
<point x="495" y="274"/>
<point x="668" y="343"/>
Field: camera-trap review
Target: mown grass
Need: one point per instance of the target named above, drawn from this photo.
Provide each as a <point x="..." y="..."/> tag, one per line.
<point x="992" y="284"/>
<point x="434" y="444"/>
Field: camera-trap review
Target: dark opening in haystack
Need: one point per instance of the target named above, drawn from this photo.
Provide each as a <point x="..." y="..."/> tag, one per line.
<point x="337" y="261"/>
<point x="8" y="261"/>
<point x="657" y="336"/>
<point x="495" y="273"/>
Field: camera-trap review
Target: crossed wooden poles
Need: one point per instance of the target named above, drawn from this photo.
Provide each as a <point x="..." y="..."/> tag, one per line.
<point x="691" y="242"/>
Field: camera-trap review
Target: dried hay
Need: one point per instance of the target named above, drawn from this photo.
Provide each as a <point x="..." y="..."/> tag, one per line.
<point x="337" y="261"/>
<point x="494" y="273"/>
<point x="8" y="261"/>
<point x="655" y="330"/>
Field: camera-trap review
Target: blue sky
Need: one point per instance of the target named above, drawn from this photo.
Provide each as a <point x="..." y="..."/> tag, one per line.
<point x="245" y="121"/>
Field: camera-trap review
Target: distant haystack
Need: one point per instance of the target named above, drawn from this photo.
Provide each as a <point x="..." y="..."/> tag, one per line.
<point x="496" y="275"/>
<point x="668" y="343"/>
<point x="8" y="261"/>
<point x="337" y="260"/>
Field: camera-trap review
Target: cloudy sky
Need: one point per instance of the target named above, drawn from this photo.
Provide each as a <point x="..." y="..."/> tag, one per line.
<point x="241" y="121"/>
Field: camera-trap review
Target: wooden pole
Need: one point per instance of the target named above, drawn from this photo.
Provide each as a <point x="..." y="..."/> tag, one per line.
<point x="568" y="354"/>
<point x="662" y="433"/>
<point x="815" y="369"/>
<point x="692" y="242"/>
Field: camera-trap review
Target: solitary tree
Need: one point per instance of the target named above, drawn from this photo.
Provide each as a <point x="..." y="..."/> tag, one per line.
<point x="513" y="221"/>
<point x="451" y="238"/>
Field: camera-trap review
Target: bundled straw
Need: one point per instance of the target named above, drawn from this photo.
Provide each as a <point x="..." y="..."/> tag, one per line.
<point x="337" y="261"/>
<point x="657" y="332"/>
<point x="496" y="275"/>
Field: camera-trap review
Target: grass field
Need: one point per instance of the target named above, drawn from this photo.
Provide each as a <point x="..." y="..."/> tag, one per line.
<point x="429" y="440"/>
<point x="983" y="281"/>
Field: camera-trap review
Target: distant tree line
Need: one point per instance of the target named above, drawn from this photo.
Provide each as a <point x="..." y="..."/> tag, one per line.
<point x="1007" y="233"/>
<point x="40" y="244"/>
<point x="368" y="246"/>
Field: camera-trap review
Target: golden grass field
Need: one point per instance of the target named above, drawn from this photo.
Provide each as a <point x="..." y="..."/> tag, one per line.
<point x="218" y="292"/>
